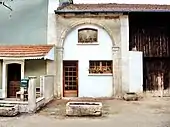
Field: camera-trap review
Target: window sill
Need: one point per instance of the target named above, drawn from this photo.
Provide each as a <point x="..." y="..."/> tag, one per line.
<point x="101" y="74"/>
<point x="90" y="43"/>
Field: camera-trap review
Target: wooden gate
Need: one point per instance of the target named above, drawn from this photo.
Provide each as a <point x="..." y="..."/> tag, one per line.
<point x="154" y="43"/>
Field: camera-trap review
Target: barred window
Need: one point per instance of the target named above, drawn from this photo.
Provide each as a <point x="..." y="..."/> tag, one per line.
<point x="96" y="67"/>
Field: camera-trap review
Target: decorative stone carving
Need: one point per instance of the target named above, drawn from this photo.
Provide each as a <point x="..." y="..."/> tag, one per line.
<point x="84" y="109"/>
<point x="115" y="49"/>
<point x="59" y="49"/>
<point x="87" y="35"/>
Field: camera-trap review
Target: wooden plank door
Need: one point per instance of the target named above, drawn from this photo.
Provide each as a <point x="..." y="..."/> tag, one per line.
<point x="70" y="78"/>
<point x="153" y="67"/>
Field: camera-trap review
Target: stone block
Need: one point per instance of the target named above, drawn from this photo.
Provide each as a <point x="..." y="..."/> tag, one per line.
<point x="131" y="97"/>
<point x="9" y="111"/>
<point x="84" y="109"/>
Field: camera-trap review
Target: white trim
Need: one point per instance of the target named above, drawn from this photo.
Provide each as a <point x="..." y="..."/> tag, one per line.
<point x="20" y="58"/>
<point x="91" y="43"/>
<point x="13" y="102"/>
<point x="4" y="88"/>
<point x="50" y="55"/>
<point x="4" y="73"/>
<point x="101" y="74"/>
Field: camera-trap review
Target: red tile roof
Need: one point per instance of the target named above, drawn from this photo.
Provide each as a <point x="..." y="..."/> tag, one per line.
<point x="114" y="7"/>
<point x="24" y="50"/>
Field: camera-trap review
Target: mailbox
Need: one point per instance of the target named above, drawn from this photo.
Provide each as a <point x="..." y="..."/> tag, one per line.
<point x="24" y="82"/>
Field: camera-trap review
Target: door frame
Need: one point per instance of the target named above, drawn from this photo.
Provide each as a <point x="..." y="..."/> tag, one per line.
<point x="77" y="80"/>
<point x="4" y="74"/>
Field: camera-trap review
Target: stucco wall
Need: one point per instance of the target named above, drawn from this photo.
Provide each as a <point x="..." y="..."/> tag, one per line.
<point x="35" y="68"/>
<point x="90" y="85"/>
<point x="27" y="24"/>
<point x="0" y="74"/>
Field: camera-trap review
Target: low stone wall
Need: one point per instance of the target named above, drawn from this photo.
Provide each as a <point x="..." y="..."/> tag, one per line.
<point x="84" y="109"/>
<point x="9" y="110"/>
<point x="47" y="87"/>
<point x="22" y="107"/>
<point x="33" y="104"/>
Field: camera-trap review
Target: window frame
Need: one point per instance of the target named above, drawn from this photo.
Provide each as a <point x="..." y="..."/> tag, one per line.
<point x="98" y="67"/>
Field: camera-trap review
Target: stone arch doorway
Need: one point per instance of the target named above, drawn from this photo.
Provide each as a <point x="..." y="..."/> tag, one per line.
<point x="13" y="79"/>
<point x="77" y="79"/>
<point x="118" y="32"/>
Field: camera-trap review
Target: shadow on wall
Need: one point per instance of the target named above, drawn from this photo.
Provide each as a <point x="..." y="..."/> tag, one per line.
<point x="27" y="23"/>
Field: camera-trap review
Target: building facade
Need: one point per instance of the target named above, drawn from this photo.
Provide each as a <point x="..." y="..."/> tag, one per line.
<point x="91" y="37"/>
<point x="88" y="49"/>
<point x="92" y="41"/>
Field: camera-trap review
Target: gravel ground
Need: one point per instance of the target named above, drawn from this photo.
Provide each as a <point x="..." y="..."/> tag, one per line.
<point x="149" y="112"/>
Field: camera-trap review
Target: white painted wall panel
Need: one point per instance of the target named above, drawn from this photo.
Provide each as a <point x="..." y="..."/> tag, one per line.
<point x="90" y="86"/>
<point x="136" y="71"/>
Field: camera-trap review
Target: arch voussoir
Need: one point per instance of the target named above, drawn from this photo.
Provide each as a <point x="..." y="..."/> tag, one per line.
<point x="67" y="30"/>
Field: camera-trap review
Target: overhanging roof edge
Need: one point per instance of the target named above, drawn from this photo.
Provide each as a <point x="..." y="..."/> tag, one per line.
<point x="107" y="11"/>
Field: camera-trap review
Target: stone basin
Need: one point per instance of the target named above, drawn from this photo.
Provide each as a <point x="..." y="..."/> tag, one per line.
<point x="84" y="109"/>
<point x="131" y="97"/>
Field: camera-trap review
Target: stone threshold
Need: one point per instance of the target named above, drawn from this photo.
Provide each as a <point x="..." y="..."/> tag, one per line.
<point x="13" y="102"/>
<point x="19" y="102"/>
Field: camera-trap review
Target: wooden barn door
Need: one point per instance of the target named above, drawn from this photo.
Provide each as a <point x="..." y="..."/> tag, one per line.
<point x="152" y="67"/>
<point x="70" y="78"/>
<point x="154" y="42"/>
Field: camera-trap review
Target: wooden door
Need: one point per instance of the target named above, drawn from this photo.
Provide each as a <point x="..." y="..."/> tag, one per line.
<point x="14" y="86"/>
<point x="13" y="79"/>
<point x="70" y="78"/>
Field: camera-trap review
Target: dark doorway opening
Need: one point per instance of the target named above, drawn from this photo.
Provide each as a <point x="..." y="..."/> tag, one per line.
<point x="13" y="79"/>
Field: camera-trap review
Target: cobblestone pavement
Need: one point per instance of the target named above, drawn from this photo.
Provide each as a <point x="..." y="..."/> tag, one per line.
<point x="150" y="112"/>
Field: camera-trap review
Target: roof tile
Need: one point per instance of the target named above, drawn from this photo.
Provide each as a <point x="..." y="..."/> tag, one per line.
<point x="115" y="7"/>
<point x="24" y="50"/>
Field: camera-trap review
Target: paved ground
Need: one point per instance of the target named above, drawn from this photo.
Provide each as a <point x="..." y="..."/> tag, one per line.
<point x="150" y="112"/>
